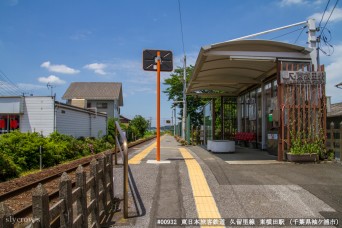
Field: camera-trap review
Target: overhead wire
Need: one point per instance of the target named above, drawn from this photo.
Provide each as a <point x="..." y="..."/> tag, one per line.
<point x="287" y="33"/>
<point x="7" y="87"/>
<point x="329" y="17"/>
<point x="181" y="25"/>
<point x="300" y="34"/>
<point x="326" y="7"/>
<point x="327" y="49"/>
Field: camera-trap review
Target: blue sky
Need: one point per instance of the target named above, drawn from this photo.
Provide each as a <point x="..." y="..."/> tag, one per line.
<point x="64" y="41"/>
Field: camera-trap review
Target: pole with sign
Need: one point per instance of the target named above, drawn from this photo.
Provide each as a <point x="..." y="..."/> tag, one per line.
<point x="157" y="60"/>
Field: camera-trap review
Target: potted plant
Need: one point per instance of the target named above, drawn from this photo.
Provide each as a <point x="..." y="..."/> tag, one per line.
<point x="304" y="150"/>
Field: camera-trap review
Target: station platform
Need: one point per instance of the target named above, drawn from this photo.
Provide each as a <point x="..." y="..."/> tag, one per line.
<point x="191" y="187"/>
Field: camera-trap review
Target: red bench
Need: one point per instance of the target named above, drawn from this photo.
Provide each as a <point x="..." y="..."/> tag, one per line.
<point x="245" y="136"/>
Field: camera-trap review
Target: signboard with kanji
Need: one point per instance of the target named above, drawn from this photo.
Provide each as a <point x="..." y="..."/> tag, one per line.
<point x="150" y="60"/>
<point x="303" y="77"/>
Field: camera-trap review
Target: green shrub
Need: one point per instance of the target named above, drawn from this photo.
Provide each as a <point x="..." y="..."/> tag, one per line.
<point x="8" y="169"/>
<point x="20" y="152"/>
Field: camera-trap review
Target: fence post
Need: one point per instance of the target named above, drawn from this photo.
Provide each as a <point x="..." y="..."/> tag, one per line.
<point x="94" y="192"/>
<point x="102" y="179"/>
<point x="110" y="175"/>
<point x="340" y="149"/>
<point x="82" y="201"/>
<point x="106" y="178"/>
<point x="65" y="193"/>
<point x="116" y="145"/>
<point x="40" y="207"/>
<point x="5" y="216"/>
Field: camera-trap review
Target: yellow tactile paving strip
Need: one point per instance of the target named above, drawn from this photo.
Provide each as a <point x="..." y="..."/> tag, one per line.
<point x="204" y="200"/>
<point x="140" y="156"/>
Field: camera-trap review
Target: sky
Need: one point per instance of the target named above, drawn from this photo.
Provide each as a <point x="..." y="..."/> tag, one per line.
<point x="59" y="42"/>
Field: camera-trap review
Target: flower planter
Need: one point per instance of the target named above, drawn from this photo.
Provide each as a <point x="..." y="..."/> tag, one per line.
<point x="302" y="157"/>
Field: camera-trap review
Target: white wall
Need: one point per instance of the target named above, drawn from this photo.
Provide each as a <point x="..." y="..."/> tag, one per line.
<point x="98" y="126"/>
<point x="78" y="123"/>
<point x="71" y="122"/>
<point x="11" y="105"/>
<point x="38" y="115"/>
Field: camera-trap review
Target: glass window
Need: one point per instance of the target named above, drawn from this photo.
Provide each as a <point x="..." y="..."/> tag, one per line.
<point x="208" y="121"/>
<point x="274" y="88"/>
<point x="259" y="116"/>
<point x="246" y="105"/>
<point x="101" y="105"/>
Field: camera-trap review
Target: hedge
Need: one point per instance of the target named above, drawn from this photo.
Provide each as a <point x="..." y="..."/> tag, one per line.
<point x="19" y="152"/>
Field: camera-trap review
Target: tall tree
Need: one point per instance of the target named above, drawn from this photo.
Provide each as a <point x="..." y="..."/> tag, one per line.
<point x="138" y="126"/>
<point x="175" y="93"/>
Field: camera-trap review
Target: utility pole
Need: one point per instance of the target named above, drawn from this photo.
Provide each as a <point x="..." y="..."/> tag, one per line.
<point x="174" y="126"/>
<point x="312" y="41"/>
<point x="184" y="100"/>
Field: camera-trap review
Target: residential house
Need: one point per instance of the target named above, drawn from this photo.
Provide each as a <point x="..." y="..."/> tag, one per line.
<point x="45" y="115"/>
<point x="98" y="96"/>
<point x="335" y="115"/>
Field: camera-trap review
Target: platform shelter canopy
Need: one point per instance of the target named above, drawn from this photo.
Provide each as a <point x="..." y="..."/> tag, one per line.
<point x="233" y="66"/>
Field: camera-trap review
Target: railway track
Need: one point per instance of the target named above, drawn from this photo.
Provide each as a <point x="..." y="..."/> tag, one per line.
<point x="26" y="210"/>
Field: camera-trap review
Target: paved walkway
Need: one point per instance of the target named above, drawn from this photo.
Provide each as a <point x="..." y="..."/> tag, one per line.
<point x="194" y="184"/>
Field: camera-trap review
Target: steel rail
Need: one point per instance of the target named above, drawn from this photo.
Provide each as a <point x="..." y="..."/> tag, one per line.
<point x="28" y="209"/>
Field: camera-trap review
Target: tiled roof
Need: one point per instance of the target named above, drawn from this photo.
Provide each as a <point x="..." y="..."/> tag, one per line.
<point x="94" y="91"/>
<point x="336" y="110"/>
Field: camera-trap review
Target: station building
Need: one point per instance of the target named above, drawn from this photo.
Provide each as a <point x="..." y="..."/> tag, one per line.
<point x="267" y="89"/>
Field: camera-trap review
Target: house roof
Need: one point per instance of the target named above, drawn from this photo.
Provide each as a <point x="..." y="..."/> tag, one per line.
<point x="94" y="91"/>
<point x="336" y="110"/>
<point x="124" y="119"/>
<point x="233" y="66"/>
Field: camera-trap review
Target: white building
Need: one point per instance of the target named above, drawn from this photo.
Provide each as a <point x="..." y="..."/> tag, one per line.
<point x="45" y="115"/>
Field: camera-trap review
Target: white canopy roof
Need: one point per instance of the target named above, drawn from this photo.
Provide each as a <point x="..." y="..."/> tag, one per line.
<point x="233" y="66"/>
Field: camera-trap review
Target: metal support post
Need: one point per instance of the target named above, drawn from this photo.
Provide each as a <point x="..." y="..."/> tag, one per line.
<point x="184" y="100"/>
<point x="174" y="124"/>
<point x="263" y="117"/>
<point x="158" y="106"/>
<point x="40" y="158"/>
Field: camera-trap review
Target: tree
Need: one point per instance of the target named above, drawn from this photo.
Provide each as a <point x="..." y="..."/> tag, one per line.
<point x="175" y="93"/>
<point x="138" y="126"/>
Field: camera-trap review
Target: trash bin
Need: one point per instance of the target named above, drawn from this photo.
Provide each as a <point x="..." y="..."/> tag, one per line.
<point x="272" y="141"/>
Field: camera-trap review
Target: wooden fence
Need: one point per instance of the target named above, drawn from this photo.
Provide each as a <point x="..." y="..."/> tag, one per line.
<point x="334" y="138"/>
<point x="87" y="205"/>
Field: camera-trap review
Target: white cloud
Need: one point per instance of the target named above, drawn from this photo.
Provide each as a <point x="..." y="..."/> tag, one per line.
<point x="81" y="35"/>
<point x="318" y="2"/>
<point x="292" y="2"/>
<point x="336" y="16"/>
<point x="52" y="79"/>
<point x="334" y="73"/>
<point x="12" y="2"/>
<point x="98" y="68"/>
<point x="28" y="86"/>
<point x="59" y="68"/>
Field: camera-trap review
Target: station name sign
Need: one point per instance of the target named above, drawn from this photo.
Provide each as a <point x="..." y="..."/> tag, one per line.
<point x="302" y="77"/>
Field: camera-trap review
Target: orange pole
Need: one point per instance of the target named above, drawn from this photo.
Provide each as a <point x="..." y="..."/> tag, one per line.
<point x="158" y="107"/>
